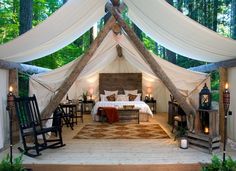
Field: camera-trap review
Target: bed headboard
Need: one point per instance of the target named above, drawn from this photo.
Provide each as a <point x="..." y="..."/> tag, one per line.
<point x="120" y="82"/>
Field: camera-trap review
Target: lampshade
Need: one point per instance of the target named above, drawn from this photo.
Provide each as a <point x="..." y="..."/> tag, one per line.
<point x="91" y="91"/>
<point x="149" y="90"/>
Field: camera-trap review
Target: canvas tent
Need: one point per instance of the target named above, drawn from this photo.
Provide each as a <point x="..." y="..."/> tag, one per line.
<point x="188" y="38"/>
<point x="106" y="60"/>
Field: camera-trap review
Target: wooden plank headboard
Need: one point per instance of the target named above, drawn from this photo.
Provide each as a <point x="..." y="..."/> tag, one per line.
<point x="120" y="82"/>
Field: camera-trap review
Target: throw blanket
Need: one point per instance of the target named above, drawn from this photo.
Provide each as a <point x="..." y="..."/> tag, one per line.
<point x="110" y="112"/>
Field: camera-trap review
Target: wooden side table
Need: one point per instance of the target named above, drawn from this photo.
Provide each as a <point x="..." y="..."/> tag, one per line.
<point x="88" y="106"/>
<point x="152" y="104"/>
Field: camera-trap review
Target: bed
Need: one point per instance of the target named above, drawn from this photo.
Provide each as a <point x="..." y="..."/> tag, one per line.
<point x="121" y="82"/>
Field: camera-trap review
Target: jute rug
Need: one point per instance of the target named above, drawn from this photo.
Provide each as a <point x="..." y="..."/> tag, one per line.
<point x="121" y="131"/>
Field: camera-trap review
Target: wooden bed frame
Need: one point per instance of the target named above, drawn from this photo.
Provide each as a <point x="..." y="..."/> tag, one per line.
<point x="121" y="82"/>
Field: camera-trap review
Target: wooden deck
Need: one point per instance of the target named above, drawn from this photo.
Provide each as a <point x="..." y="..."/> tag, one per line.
<point x="142" y="152"/>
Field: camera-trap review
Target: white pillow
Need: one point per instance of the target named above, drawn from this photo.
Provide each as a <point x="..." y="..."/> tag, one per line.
<point x="122" y="97"/>
<point x="108" y="93"/>
<point x="103" y="97"/>
<point x="131" y="92"/>
<point x="138" y="98"/>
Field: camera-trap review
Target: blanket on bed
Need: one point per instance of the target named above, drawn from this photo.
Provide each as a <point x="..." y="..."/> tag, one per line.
<point x="110" y="113"/>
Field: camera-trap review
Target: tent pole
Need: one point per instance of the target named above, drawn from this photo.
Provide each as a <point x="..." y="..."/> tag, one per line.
<point x="156" y="68"/>
<point x="68" y="82"/>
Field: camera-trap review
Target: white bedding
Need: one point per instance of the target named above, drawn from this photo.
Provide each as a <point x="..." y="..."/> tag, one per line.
<point x="144" y="108"/>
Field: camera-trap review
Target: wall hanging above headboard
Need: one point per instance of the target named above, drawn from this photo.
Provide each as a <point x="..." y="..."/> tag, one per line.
<point x="120" y="81"/>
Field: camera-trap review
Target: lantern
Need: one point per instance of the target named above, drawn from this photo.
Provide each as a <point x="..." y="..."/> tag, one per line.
<point x="205" y="98"/>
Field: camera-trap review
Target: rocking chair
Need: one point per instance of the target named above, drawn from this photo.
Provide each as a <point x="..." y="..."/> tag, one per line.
<point x="30" y="124"/>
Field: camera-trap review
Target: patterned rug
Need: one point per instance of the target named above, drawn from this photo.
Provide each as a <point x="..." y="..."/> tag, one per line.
<point x="121" y="131"/>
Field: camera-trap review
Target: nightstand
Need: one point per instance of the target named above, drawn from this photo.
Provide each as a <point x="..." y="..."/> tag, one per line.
<point x="152" y="104"/>
<point x="88" y="106"/>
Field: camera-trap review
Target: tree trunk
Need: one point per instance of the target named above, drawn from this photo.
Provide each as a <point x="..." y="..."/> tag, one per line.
<point x="26" y="15"/>
<point x="171" y="56"/>
<point x="215" y="12"/>
<point x="91" y="35"/>
<point x="156" y="68"/>
<point x="137" y="31"/>
<point x="233" y="19"/>
<point x="68" y="82"/>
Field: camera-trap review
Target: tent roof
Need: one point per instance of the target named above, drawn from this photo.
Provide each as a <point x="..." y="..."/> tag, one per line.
<point x="185" y="80"/>
<point x="157" y="19"/>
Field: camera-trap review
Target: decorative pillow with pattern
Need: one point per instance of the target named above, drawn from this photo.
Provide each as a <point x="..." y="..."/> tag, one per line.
<point x="132" y="97"/>
<point x="111" y="97"/>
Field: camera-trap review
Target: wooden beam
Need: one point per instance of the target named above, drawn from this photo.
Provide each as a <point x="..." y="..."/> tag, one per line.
<point x="68" y="82"/>
<point x="13" y="81"/>
<point x="223" y="79"/>
<point x="214" y="66"/>
<point x="156" y="68"/>
<point x="30" y="69"/>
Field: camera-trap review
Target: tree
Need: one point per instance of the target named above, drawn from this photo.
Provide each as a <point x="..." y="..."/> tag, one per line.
<point x="233" y="19"/>
<point x="26" y="15"/>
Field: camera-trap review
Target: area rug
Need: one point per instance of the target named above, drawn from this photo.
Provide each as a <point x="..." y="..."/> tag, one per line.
<point x="121" y="131"/>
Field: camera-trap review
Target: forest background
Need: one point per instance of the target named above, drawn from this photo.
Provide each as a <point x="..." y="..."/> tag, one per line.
<point x="19" y="16"/>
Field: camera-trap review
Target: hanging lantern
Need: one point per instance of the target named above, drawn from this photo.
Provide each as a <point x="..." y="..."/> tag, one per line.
<point x="205" y="98"/>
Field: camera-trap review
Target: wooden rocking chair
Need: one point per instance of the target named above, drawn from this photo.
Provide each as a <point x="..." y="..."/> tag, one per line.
<point x="31" y="127"/>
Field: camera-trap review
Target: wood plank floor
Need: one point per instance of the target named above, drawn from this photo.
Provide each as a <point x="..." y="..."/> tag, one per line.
<point x="119" y="151"/>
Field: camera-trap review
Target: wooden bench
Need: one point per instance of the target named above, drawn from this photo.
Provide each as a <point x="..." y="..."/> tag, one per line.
<point x="127" y="115"/>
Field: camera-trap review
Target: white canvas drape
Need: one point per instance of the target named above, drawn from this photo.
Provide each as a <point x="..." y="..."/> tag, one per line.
<point x="60" y="29"/>
<point x="4" y="119"/>
<point x="232" y="88"/>
<point x="156" y="18"/>
<point x="177" y="32"/>
<point x="105" y="60"/>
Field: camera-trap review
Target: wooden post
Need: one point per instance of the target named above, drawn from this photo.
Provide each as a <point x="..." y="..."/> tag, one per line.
<point x="68" y="82"/>
<point x="13" y="81"/>
<point x="156" y="68"/>
<point x="223" y="79"/>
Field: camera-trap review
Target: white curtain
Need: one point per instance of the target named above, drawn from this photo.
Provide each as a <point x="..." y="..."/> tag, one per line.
<point x="232" y="88"/>
<point x="4" y="119"/>
<point x="177" y="32"/>
<point x="156" y="18"/>
<point x="105" y="60"/>
<point x="60" y="29"/>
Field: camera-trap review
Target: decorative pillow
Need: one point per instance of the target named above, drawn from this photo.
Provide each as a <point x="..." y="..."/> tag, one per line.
<point x="103" y="97"/>
<point x="131" y="92"/>
<point x="111" y="97"/>
<point x="132" y="97"/>
<point x="122" y="97"/>
<point x="108" y="93"/>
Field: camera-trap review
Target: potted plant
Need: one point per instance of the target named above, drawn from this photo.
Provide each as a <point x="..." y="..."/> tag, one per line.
<point x="16" y="165"/>
<point x="181" y="135"/>
<point x="218" y="165"/>
<point x="85" y="95"/>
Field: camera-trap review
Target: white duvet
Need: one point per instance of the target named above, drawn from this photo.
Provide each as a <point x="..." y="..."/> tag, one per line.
<point x="144" y="108"/>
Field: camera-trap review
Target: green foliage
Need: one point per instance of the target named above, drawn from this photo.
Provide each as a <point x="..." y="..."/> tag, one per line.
<point x="180" y="132"/>
<point x="5" y="164"/>
<point x="218" y="165"/>
<point x="23" y="84"/>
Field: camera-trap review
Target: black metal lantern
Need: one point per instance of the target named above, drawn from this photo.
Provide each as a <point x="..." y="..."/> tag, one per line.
<point x="205" y="98"/>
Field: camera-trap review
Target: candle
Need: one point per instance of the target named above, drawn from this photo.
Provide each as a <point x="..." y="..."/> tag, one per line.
<point x="183" y="143"/>
<point x="10" y="89"/>
<point x="206" y="130"/>
<point x="226" y="86"/>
